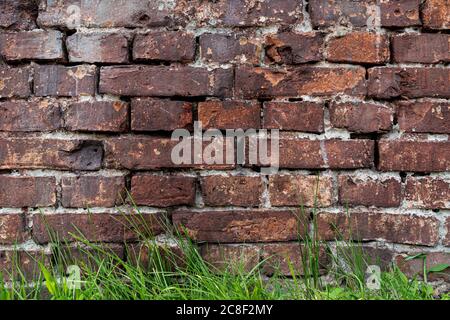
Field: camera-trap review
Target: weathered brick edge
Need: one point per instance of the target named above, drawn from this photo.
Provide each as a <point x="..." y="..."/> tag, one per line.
<point x="360" y="91"/>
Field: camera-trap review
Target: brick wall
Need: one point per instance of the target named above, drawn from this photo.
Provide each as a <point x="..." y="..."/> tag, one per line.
<point x="90" y="92"/>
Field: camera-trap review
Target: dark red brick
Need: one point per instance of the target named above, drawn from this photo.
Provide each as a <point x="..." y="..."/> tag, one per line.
<point x="162" y="191"/>
<point x="427" y="192"/>
<point x="92" y="191"/>
<point x="231" y="257"/>
<point x="148" y="114"/>
<point x="22" y="191"/>
<point x="294" y="48"/>
<point x="296" y="116"/>
<point x="404" y="13"/>
<point x="19" y="264"/>
<point x="418" y="156"/>
<point x="426" y="116"/>
<point x="230" y="114"/>
<point x="354" y="191"/>
<point x="14" y="82"/>
<point x="12" y="229"/>
<point x="165" y="81"/>
<point x="421" y="48"/>
<point x="26" y="116"/>
<point x="18" y="14"/>
<point x="55" y="80"/>
<point x="361" y="117"/>
<point x="232" y="191"/>
<point x="223" y="48"/>
<point x="343" y="12"/>
<point x="436" y="14"/>
<point x="415" y="267"/>
<point x="101" y="116"/>
<point x="447" y="237"/>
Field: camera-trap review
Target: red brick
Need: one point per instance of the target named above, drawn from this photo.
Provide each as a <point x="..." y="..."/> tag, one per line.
<point x="232" y="191"/>
<point x="164" y="46"/>
<point x="148" y="114"/>
<point x="426" y="116"/>
<point x="222" y="48"/>
<point x="149" y="254"/>
<point x="359" y="47"/>
<point x="112" y="13"/>
<point x="418" y="156"/>
<point x="31" y="45"/>
<point x="300" y="190"/>
<point x="436" y="14"/>
<point x="387" y="82"/>
<point x="92" y="191"/>
<point x="101" y="116"/>
<point x="97" y="47"/>
<point x="101" y="227"/>
<point x="365" y="226"/>
<point x="361" y="117"/>
<point x="293" y="82"/>
<point x="17" y="264"/>
<point x="344" y="12"/>
<point x="296" y="116"/>
<point x="447" y="237"/>
<point x="12" y="229"/>
<point x="21" y="191"/>
<point x="354" y="191"/>
<point x="415" y="267"/>
<point x="403" y="13"/>
<point x="165" y="81"/>
<point x="55" y="80"/>
<point x="37" y="153"/>
<point x="14" y="82"/>
<point x="421" y="48"/>
<point x="427" y="192"/>
<point x="231" y="257"/>
<point x="162" y="191"/>
<point x="18" y="14"/>
<point x="26" y="116"/>
<point x="230" y="114"/>
<point x="239" y="225"/>
<point x="294" y="48"/>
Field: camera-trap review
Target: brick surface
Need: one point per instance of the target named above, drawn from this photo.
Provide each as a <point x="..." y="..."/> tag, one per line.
<point x="101" y="116"/>
<point x="223" y="48"/>
<point x="162" y="191"/>
<point x="92" y="191"/>
<point x="432" y="117"/>
<point x="231" y="257"/>
<point x="403" y="13"/>
<point x="421" y="48"/>
<point x="13" y="228"/>
<point x="97" y="47"/>
<point x="18" y="15"/>
<point x="415" y="267"/>
<point x="32" y="45"/>
<point x="428" y="193"/>
<point x="345" y="12"/>
<point x="361" y="117"/>
<point x="229" y="114"/>
<point x="447" y="237"/>
<point x="23" y="191"/>
<point x="435" y="14"/>
<point x="14" y="82"/>
<point x="295" y="116"/>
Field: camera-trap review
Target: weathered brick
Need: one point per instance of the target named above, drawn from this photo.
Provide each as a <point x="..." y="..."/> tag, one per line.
<point x="296" y="116"/>
<point x="14" y="82"/>
<point x="97" y="47"/>
<point x="359" y="47"/>
<point x="361" y="117"/>
<point x="300" y="190"/>
<point x="447" y="237"/>
<point x="162" y="191"/>
<point x="232" y="190"/>
<point x="418" y="156"/>
<point x="230" y="114"/>
<point x="12" y="229"/>
<point x="102" y="227"/>
<point x="165" y="81"/>
<point x="294" y="48"/>
<point x="92" y="191"/>
<point x="149" y="254"/>
<point x="293" y="82"/>
<point x="427" y="192"/>
<point x="111" y="13"/>
<point x="421" y="48"/>
<point x="403" y="13"/>
<point x="240" y="226"/>
<point x="18" y="14"/>
<point x="56" y="80"/>
<point x="231" y="257"/>
<point x="26" y="116"/>
<point x="31" y="45"/>
<point x="148" y="114"/>
<point x="37" y="153"/>
<point x="244" y="13"/>
<point x="415" y="267"/>
<point x="344" y="12"/>
<point x="287" y="258"/>
<point x="436" y="14"/>
<point x="22" y="191"/>
<point x="426" y="116"/>
<point x="164" y="46"/>
<point x="17" y="264"/>
<point x="387" y="82"/>
<point x="102" y="116"/>
<point x="354" y="191"/>
<point x="223" y="48"/>
<point x="364" y="226"/>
